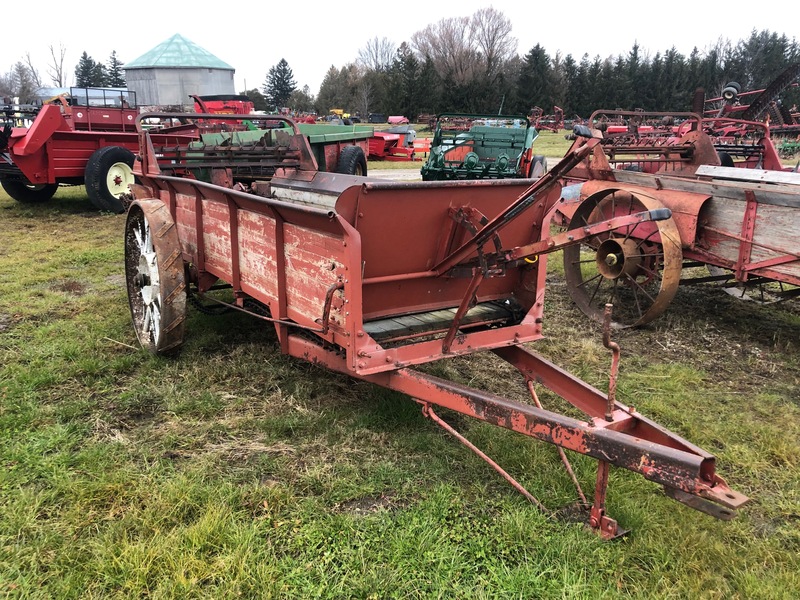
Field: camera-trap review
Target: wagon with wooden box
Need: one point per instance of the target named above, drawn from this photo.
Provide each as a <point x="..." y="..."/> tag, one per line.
<point x="374" y="278"/>
<point x="735" y="214"/>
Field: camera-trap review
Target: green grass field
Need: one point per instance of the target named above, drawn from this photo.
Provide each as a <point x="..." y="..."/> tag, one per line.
<point x="232" y="471"/>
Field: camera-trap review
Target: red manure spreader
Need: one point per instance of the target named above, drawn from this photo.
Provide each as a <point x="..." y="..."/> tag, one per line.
<point x="87" y="137"/>
<point x="374" y="278"/>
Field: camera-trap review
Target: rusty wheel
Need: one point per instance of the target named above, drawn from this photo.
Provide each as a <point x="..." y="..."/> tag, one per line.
<point x="155" y="276"/>
<point x="636" y="268"/>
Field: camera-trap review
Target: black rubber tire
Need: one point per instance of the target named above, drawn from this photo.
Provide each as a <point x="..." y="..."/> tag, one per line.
<point x="97" y="173"/>
<point x="538" y="166"/>
<point x="725" y="159"/>
<point x="352" y="161"/>
<point x="29" y="194"/>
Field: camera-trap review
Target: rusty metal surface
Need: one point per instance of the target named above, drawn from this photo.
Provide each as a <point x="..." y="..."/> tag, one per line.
<point x="637" y="268"/>
<point x="370" y="278"/>
<point x="629" y="441"/>
<point x="741" y="219"/>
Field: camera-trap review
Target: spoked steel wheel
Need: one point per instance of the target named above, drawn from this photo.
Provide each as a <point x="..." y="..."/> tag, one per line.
<point x="155" y="276"/>
<point x="636" y="268"/>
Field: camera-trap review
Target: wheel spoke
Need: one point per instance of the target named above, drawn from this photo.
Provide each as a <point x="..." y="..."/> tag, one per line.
<point x="640" y="287"/>
<point x="138" y="233"/>
<point x="596" y="289"/>
<point x="591" y="279"/>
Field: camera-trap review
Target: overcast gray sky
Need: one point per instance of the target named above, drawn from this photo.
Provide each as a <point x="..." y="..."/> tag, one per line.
<point x="313" y="35"/>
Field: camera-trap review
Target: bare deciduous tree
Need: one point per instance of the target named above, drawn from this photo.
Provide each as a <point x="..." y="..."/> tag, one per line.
<point x="363" y="97"/>
<point x="377" y="55"/>
<point x="448" y="45"/>
<point x="32" y="72"/>
<point x="6" y="86"/>
<point x="491" y="34"/>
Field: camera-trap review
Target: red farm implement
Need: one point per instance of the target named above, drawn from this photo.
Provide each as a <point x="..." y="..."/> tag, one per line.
<point x="372" y="278"/>
<point x="87" y="138"/>
<point x="765" y="105"/>
<point x="738" y="224"/>
<point x="223" y="104"/>
<point x="90" y="139"/>
<point x="542" y="122"/>
<point x="393" y="144"/>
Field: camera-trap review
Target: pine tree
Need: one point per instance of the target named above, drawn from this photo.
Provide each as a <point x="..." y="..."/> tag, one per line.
<point x="404" y="73"/>
<point x="99" y="75"/>
<point x="89" y="73"/>
<point x="84" y="72"/>
<point x="115" y="77"/>
<point x="536" y="81"/>
<point x="333" y="91"/>
<point x="280" y="84"/>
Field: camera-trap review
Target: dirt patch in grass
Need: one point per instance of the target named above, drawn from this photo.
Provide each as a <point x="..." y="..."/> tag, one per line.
<point x="72" y="287"/>
<point x="369" y="504"/>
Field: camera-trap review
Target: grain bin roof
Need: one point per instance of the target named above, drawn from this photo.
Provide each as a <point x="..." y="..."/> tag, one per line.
<point x="177" y="52"/>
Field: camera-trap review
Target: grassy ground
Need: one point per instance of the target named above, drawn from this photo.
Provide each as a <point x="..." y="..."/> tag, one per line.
<point x="234" y="471"/>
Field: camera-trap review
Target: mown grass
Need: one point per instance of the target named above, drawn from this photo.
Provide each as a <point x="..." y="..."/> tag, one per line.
<point x="234" y="471"/>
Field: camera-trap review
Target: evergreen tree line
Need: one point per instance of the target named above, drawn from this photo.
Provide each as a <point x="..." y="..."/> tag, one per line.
<point x="414" y="83"/>
<point x="89" y="73"/>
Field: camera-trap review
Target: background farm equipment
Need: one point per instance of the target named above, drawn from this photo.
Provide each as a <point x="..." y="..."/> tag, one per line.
<point x="395" y="143"/>
<point x="223" y="104"/>
<point x="482" y="147"/>
<point x="553" y="122"/>
<point x="14" y="114"/>
<point x="90" y="139"/>
<point x="739" y="223"/>
<point x="651" y="141"/>
<point x="238" y="157"/>
<point x="789" y="148"/>
<point x="764" y="105"/>
<point x="325" y="259"/>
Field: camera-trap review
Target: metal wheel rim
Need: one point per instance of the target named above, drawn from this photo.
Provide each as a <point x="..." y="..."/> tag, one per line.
<point x="637" y="297"/>
<point x="155" y="277"/>
<point x="119" y="178"/>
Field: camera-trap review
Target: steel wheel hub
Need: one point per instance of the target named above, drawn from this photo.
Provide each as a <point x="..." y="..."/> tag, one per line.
<point x="617" y="257"/>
